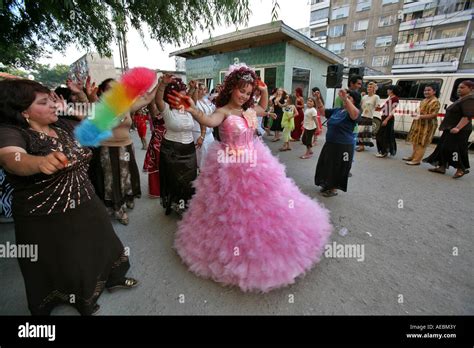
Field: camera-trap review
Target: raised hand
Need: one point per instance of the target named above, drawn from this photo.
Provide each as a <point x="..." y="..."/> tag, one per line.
<point x="59" y="102"/>
<point x="91" y="90"/>
<point x="342" y="94"/>
<point x="167" y="78"/>
<point x="75" y="87"/>
<point x="178" y="101"/>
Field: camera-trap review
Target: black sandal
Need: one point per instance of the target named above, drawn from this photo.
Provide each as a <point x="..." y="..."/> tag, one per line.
<point x="126" y="283"/>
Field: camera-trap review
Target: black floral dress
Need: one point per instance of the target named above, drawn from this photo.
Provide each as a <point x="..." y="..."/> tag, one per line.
<point x="78" y="252"/>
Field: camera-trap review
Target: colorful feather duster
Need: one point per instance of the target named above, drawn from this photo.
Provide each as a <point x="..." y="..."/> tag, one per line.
<point x="115" y="102"/>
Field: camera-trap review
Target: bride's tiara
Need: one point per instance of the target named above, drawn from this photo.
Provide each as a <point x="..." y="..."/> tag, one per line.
<point x="238" y="66"/>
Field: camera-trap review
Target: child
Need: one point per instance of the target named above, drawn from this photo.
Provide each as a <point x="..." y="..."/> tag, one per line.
<point x="288" y="121"/>
<point x="310" y="125"/>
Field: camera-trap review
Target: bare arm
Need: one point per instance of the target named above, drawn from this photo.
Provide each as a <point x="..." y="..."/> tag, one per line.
<point x="164" y="81"/>
<point x="319" y="104"/>
<point x="262" y="106"/>
<point x="143" y="100"/>
<point x="211" y="121"/>
<point x="15" y="160"/>
<point x="462" y="122"/>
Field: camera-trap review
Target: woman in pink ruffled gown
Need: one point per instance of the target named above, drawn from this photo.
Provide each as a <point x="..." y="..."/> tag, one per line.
<point x="239" y="229"/>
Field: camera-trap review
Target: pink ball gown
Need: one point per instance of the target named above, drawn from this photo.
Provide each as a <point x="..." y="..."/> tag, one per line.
<point x="243" y="229"/>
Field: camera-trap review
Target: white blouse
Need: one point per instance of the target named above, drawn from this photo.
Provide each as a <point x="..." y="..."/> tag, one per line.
<point x="368" y="105"/>
<point x="207" y="108"/>
<point x="308" y="122"/>
<point x="179" y="125"/>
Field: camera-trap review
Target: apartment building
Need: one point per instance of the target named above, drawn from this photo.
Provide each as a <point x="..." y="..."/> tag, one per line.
<point x="319" y="21"/>
<point x="396" y="36"/>
<point x="435" y="36"/>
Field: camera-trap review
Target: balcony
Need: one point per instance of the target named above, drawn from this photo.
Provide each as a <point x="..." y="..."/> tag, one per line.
<point x="319" y="23"/>
<point x="454" y="17"/>
<point x="431" y="44"/>
<point x="320" y="5"/>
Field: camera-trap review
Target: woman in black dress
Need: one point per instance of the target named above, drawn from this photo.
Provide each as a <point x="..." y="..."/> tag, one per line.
<point x="452" y="149"/>
<point x="54" y="205"/>
<point x="386" y="143"/>
<point x="278" y="103"/>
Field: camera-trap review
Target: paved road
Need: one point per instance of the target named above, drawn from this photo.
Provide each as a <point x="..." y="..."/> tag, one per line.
<point x="407" y="219"/>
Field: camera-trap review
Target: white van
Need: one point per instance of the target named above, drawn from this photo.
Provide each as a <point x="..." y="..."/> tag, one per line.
<point x="412" y="87"/>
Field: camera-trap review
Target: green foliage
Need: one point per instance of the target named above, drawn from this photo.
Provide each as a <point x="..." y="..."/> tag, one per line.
<point x="51" y="77"/>
<point x="28" y="26"/>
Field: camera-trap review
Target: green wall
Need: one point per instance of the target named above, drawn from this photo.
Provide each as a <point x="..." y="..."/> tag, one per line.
<point x="284" y="56"/>
<point x="257" y="57"/>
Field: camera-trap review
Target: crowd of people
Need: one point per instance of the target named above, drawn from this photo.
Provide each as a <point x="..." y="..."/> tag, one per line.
<point x="64" y="195"/>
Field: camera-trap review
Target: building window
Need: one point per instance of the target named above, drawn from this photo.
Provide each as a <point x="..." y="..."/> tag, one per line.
<point x="446" y="55"/>
<point x="337" y="30"/>
<point x="315" y="33"/>
<point x="313" y="2"/>
<point x="380" y="61"/>
<point x="270" y="78"/>
<point x="222" y="76"/>
<point x="382" y="41"/>
<point x="340" y="12"/>
<point x="385" y="21"/>
<point x="449" y="33"/>
<point x="337" y="48"/>
<point x="319" y="14"/>
<point x="301" y="78"/>
<point x="363" y="5"/>
<point x="469" y="57"/>
<point x="462" y="5"/>
<point x="358" y="45"/>
<point x="361" y="25"/>
<point x="387" y="2"/>
<point x="358" y="61"/>
<point x="418" y="35"/>
<point x="427" y="57"/>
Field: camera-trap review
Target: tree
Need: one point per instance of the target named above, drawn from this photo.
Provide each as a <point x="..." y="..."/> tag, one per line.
<point x="36" y="24"/>
<point x="14" y="71"/>
<point x="51" y="77"/>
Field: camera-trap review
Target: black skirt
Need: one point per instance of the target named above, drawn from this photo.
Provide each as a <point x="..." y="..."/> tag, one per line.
<point x="386" y="143"/>
<point x="452" y="150"/>
<point x="334" y="165"/>
<point x="178" y="169"/>
<point x="307" y="138"/>
<point x="79" y="254"/>
<point x="276" y="124"/>
<point x="114" y="174"/>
